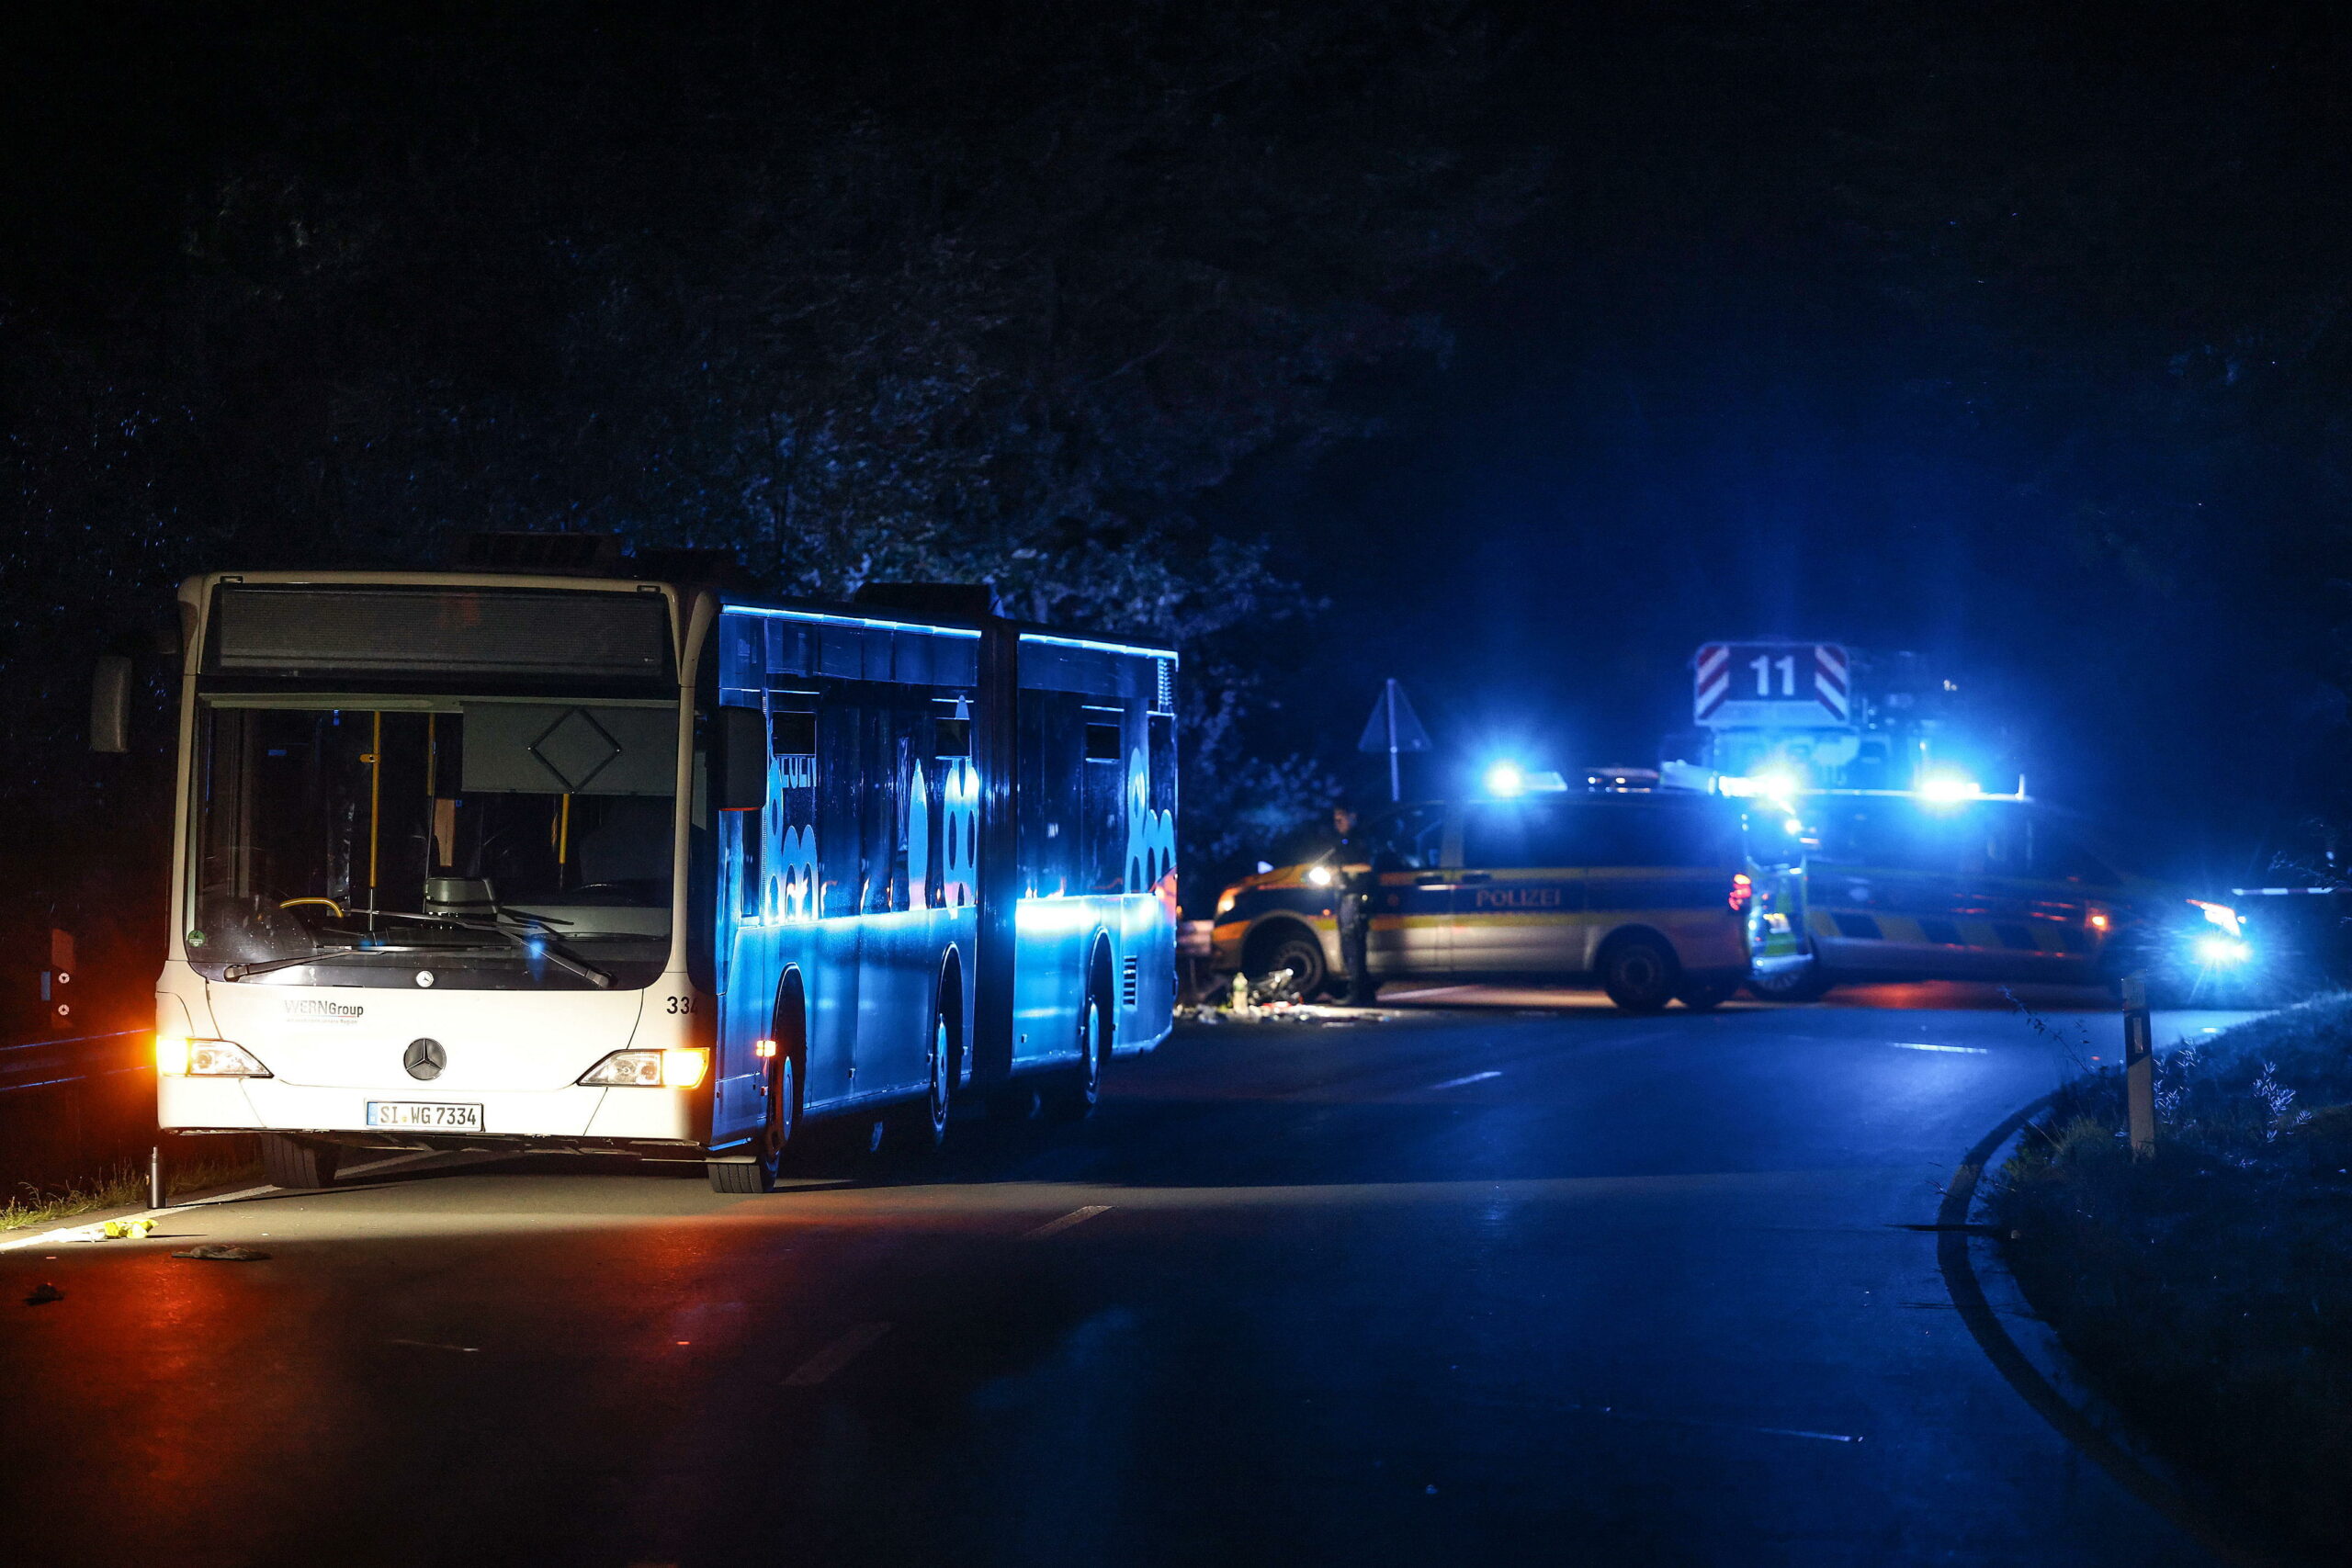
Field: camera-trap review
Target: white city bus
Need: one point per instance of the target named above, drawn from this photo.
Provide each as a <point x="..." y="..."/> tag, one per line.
<point x="547" y="861"/>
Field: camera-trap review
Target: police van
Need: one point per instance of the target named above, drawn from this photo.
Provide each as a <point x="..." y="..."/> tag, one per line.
<point x="1657" y="896"/>
<point x="1953" y="884"/>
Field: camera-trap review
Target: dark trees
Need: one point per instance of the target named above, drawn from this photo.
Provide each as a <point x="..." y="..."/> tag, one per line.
<point x="903" y="291"/>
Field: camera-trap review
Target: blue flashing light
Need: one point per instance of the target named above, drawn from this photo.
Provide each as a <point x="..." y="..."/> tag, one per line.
<point x="2219" y="952"/>
<point x="2220" y="915"/>
<point x="1948" y="789"/>
<point x="1505" y="780"/>
<point x="1780" y="784"/>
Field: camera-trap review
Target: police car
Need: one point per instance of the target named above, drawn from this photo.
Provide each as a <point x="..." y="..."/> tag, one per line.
<point x="1952" y="885"/>
<point x="1659" y="896"/>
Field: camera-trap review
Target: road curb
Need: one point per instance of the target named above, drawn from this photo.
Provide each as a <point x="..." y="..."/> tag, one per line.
<point x="1953" y="1230"/>
<point x="27" y="1237"/>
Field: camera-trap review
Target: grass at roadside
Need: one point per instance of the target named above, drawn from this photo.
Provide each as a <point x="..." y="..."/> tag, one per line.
<point x="123" y="1187"/>
<point x="2207" y="1290"/>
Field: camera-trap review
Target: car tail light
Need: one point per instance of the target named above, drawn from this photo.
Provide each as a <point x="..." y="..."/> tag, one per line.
<point x="1743" y="893"/>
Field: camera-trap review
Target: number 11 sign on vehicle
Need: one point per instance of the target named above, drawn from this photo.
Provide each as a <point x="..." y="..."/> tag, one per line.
<point x="1771" y="684"/>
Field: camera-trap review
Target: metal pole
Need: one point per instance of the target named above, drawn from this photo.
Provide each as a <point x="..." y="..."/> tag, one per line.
<point x="156" y="1197"/>
<point x="2139" y="1066"/>
<point x="1388" y="700"/>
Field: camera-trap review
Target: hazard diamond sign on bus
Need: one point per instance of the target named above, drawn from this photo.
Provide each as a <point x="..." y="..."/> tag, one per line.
<point x="1772" y="685"/>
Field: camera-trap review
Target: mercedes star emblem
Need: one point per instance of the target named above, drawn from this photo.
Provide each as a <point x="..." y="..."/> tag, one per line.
<point x="424" y="1058"/>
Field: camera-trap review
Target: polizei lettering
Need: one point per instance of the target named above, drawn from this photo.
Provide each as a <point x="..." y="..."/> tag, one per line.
<point x="1518" y="898"/>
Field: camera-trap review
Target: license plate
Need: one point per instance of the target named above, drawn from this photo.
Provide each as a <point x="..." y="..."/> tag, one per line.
<point x="422" y="1117"/>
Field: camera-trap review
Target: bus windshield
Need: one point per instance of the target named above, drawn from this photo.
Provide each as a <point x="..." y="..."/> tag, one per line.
<point x="501" y="843"/>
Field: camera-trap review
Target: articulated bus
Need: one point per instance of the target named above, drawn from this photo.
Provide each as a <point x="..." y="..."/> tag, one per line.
<point x="531" y="863"/>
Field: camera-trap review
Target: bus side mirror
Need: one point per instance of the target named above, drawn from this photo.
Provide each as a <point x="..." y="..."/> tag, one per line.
<point x="110" y="705"/>
<point x="739" y="762"/>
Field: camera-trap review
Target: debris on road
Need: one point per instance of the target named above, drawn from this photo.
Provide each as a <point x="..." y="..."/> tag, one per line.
<point x="216" y="1252"/>
<point x="1284" y="1012"/>
<point x="108" y="1230"/>
<point x="1273" y="998"/>
<point x="42" y="1294"/>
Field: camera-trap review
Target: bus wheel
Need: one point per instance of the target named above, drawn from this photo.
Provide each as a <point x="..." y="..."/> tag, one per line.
<point x="921" y="1126"/>
<point x="1701" y="996"/>
<point x="297" y="1163"/>
<point x="1638" y="973"/>
<point x="1075" y="1093"/>
<point x="759" y="1173"/>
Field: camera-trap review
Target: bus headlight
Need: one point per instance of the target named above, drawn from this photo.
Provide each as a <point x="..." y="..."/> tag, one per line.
<point x="679" y="1068"/>
<point x="2218" y="951"/>
<point x="178" y="1058"/>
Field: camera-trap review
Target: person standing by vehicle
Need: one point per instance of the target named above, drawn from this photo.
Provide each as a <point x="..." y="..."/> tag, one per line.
<point x="1350" y="863"/>
<point x="1330" y="846"/>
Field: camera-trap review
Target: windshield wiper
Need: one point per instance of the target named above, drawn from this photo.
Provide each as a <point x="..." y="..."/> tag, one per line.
<point x="243" y="971"/>
<point x="536" y="945"/>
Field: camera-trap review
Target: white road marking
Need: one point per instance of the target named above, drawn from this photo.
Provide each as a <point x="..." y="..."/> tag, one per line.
<point x="428" y="1345"/>
<point x="1075" y="1217"/>
<point x="1473" y="1077"/>
<point x="1716" y="1426"/>
<point x="836" y="1355"/>
<point x="1426" y="991"/>
<point x="1955" y="1050"/>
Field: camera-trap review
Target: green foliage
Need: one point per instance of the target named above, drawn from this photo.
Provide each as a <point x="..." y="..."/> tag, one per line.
<point x="2208" y="1290"/>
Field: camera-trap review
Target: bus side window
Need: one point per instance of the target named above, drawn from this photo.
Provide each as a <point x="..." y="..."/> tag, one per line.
<point x="750" y="832"/>
<point x="838" y="790"/>
<point x="792" y="734"/>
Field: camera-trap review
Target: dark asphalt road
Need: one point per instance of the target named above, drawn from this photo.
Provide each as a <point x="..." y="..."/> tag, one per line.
<point x="1493" y="1284"/>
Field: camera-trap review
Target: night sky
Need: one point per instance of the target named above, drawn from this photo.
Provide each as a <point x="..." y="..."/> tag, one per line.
<point x="1739" y="386"/>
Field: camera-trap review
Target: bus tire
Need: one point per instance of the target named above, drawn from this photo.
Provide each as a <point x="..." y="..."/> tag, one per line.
<point x="760" y="1172"/>
<point x="1289" y="945"/>
<point x="1076" y="1093"/>
<point x="1640" y="975"/>
<point x="920" y="1126"/>
<point x="298" y="1165"/>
